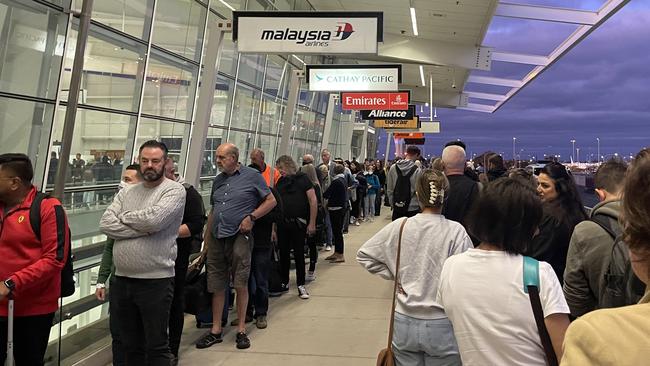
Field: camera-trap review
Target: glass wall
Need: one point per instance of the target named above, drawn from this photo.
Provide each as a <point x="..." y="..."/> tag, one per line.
<point x="140" y="79"/>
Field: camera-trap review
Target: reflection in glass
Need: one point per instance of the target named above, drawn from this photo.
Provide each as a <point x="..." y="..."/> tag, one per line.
<point x="170" y="87"/>
<point x="245" y="107"/>
<point x="22" y="126"/>
<point x="32" y="38"/>
<point x="178" y="27"/>
<point x="127" y="16"/>
<point x="221" y="103"/>
<point x="173" y="134"/>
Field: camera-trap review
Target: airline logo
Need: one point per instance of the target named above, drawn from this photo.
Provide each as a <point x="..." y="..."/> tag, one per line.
<point x="388" y="114"/>
<point x="405" y="124"/>
<point x="378" y="101"/>
<point x="281" y="32"/>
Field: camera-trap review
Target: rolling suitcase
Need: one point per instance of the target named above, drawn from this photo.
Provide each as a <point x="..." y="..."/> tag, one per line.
<point x="10" y="333"/>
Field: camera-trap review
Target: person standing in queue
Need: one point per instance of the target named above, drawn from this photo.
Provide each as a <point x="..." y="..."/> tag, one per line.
<point x="300" y="208"/>
<point x="144" y="220"/>
<point x="30" y="269"/>
<point x="239" y="197"/>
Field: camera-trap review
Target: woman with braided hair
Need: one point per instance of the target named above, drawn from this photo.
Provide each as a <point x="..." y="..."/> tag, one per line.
<point x="422" y="335"/>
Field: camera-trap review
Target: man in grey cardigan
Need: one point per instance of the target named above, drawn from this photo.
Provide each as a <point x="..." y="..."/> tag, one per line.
<point x="144" y="220"/>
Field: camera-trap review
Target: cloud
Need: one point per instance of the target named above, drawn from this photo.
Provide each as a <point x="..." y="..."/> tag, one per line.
<point x="601" y="88"/>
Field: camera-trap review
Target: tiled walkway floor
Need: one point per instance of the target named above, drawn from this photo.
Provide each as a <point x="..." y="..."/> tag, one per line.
<point x="344" y="323"/>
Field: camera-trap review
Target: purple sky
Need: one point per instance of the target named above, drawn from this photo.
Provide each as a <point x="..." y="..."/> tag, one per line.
<point x="601" y="88"/>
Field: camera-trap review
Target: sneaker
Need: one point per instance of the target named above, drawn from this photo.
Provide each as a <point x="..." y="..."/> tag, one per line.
<point x="209" y="339"/>
<point x="356" y="223"/>
<point x="242" y="341"/>
<point x="311" y="276"/>
<point x="328" y="248"/>
<point x="302" y="293"/>
<point x="249" y="319"/>
<point x="261" y="322"/>
<point x="338" y="259"/>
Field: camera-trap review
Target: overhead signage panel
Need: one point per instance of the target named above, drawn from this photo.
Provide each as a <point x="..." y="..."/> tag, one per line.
<point x="408" y="135"/>
<point x="307" y="32"/>
<point x="376" y="114"/>
<point x="337" y="78"/>
<point x="398" y="123"/>
<point x="379" y="101"/>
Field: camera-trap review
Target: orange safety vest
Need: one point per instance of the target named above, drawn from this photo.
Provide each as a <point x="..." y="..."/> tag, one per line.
<point x="267" y="175"/>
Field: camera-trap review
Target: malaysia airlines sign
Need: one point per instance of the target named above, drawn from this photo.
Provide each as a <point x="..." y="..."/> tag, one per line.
<point x="337" y="78"/>
<point x="378" y="101"/>
<point x="307" y="32"/>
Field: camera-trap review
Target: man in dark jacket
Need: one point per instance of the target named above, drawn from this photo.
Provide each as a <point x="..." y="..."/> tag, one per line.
<point x="463" y="191"/>
<point x="591" y="246"/>
<point x="189" y="233"/>
<point x="30" y="269"/>
<point x="405" y="167"/>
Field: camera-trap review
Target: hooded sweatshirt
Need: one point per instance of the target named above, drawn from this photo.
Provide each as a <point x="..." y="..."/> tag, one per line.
<point x="587" y="260"/>
<point x="404" y="166"/>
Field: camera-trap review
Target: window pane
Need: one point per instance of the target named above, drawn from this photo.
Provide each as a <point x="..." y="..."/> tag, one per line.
<point x="244" y="112"/>
<point x="251" y="69"/>
<point x="170" y="87"/>
<point x="34" y="48"/>
<point x="268" y="144"/>
<point x="178" y="27"/>
<point x="274" y="75"/>
<point x="113" y="69"/>
<point x="171" y="133"/>
<point x="228" y="60"/>
<point x="221" y="103"/>
<point x="23" y="125"/>
<point x="244" y="141"/>
<point x="270" y="116"/>
<point x="128" y="16"/>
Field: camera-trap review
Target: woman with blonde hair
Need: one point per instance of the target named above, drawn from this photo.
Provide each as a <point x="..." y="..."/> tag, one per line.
<point x="423" y="334"/>
<point x="619" y="337"/>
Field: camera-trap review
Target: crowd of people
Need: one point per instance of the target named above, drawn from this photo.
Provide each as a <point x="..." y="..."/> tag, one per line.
<point x="466" y="240"/>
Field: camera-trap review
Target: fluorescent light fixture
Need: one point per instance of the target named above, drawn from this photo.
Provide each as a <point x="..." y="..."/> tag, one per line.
<point x="299" y="59"/>
<point x="422" y="75"/>
<point x="414" y="21"/>
<point x="227" y="5"/>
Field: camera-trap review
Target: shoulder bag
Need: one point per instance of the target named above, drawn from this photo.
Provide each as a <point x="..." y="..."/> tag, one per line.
<point x="531" y="287"/>
<point x="386" y="357"/>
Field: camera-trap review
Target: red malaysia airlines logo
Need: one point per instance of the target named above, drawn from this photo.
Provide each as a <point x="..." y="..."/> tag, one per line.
<point x="344" y="31"/>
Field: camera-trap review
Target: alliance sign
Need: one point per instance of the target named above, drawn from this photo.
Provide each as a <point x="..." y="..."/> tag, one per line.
<point x="307" y="32"/>
<point x="337" y="78"/>
<point x="379" y="101"/>
<point x="376" y="114"/>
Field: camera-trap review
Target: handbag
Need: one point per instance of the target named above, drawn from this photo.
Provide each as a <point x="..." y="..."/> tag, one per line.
<point x="531" y="287"/>
<point x="197" y="297"/>
<point x="386" y="356"/>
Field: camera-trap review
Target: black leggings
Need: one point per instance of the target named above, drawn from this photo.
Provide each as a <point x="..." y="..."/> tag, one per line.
<point x="291" y="237"/>
<point x="313" y="251"/>
<point x="337" y="217"/>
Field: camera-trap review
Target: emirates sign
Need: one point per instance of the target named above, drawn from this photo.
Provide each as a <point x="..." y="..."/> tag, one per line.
<point x="376" y="101"/>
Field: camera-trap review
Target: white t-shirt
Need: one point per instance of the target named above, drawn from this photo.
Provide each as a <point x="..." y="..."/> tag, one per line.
<point x="483" y="295"/>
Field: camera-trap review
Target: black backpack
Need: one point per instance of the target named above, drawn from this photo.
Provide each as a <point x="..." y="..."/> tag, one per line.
<point x="67" y="273"/>
<point x="622" y="286"/>
<point x="197" y="239"/>
<point x="402" y="192"/>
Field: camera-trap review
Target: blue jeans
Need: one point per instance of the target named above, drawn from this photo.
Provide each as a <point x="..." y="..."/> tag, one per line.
<point x="258" y="283"/>
<point x="369" y="208"/>
<point x="424" y="342"/>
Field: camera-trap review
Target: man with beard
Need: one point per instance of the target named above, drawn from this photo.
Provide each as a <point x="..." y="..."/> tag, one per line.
<point x="239" y="197"/>
<point x="144" y="221"/>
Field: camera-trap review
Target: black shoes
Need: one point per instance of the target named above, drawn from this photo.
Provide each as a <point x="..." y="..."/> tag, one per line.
<point x="209" y="339"/>
<point x="242" y="341"/>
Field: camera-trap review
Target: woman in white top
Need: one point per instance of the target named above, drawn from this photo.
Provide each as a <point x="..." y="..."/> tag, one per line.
<point x="482" y="290"/>
<point x="422" y="335"/>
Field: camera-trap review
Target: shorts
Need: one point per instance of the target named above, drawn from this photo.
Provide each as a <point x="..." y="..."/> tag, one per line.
<point x="229" y="258"/>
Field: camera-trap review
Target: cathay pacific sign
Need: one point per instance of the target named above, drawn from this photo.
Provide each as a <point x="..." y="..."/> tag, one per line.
<point x="307" y="32"/>
<point x="338" y="78"/>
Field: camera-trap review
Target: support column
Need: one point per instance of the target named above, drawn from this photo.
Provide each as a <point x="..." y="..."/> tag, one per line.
<point x="204" y="103"/>
<point x="364" y="144"/>
<point x="73" y="98"/>
<point x="289" y="114"/>
<point x="329" y="117"/>
<point x="389" y="136"/>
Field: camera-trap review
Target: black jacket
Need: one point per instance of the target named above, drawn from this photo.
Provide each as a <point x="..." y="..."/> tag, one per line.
<point x="336" y="194"/>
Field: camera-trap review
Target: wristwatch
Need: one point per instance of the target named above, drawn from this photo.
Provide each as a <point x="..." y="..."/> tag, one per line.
<point x="100" y="285"/>
<point x="253" y="218"/>
<point x="11" y="285"/>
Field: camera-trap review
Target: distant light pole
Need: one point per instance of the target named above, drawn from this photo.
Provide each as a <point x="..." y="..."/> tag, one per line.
<point x="578" y="155"/>
<point x="573" y="149"/>
<point x="598" y="140"/>
<point x="514" y="141"/>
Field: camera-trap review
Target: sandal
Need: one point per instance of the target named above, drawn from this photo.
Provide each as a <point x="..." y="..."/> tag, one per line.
<point x="209" y="339"/>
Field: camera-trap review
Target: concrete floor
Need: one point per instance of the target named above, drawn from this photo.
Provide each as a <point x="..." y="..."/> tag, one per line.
<point x="345" y="322"/>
